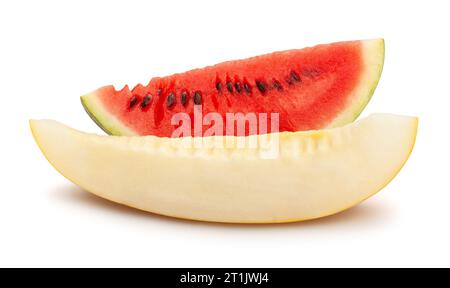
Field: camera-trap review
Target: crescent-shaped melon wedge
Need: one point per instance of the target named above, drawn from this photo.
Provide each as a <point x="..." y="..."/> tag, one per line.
<point x="316" y="173"/>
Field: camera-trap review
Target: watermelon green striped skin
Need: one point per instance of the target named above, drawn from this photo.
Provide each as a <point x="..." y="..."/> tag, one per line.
<point x="312" y="88"/>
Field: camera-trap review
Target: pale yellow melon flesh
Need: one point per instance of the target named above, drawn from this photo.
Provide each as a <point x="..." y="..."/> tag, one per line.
<point x="317" y="173"/>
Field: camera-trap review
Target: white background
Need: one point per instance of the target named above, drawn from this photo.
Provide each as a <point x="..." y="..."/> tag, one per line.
<point x="51" y="52"/>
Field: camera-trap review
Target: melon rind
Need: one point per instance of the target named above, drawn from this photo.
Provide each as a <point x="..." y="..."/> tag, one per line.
<point x="99" y="114"/>
<point x="373" y="57"/>
<point x="317" y="173"/>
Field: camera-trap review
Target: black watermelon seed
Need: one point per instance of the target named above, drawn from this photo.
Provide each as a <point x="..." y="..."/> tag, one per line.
<point x="133" y="101"/>
<point x="184" y="98"/>
<point x="294" y="77"/>
<point x="197" y="98"/>
<point x="261" y="86"/>
<point x="219" y="87"/>
<point x="230" y="87"/>
<point x="247" y="88"/>
<point x="238" y="87"/>
<point x="159" y="91"/>
<point x="170" y="100"/>
<point x="147" y="99"/>
<point x="277" y="85"/>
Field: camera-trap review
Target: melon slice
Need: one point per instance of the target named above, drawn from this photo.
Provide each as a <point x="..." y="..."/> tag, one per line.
<point x="317" y="173"/>
<point x="313" y="88"/>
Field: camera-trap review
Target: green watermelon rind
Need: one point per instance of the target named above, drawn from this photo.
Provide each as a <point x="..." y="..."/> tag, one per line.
<point x="106" y="121"/>
<point x="374" y="53"/>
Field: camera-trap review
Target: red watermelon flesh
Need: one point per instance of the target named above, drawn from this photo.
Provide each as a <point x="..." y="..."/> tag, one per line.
<point x="311" y="88"/>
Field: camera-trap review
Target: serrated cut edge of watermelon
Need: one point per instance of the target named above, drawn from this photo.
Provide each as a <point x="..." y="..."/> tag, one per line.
<point x="373" y="55"/>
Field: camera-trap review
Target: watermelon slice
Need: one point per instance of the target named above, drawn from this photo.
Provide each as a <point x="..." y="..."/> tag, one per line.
<point x="313" y="88"/>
